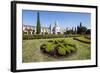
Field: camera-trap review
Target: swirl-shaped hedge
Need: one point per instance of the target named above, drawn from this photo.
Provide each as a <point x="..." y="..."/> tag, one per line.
<point x="58" y="48"/>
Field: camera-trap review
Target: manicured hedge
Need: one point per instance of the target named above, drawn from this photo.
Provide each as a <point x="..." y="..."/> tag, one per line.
<point x="62" y="51"/>
<point x="82" y="39"/>
<point x="27" y="37"/>
<point x="88" y="37"/>
<point x="49" y="47"/>
<point x="46" y="36"/>
<point x="73" y="35"/>
<point x="58" y="47"/>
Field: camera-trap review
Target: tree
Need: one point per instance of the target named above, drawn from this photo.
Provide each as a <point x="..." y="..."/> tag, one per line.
<point x="29" y="31"/>
<point x="50" y="29"/>
<point x="81" y="29"/>
<point x="78" y="30"/>
<point x="46" y="32"/>
<point x="80" y="24"/>
<point x="38" y="27"/>
<point x="88" y="31"/>
<point x="33" y="31"/>
<point x="75" y="31"/>
<point x="68" y="32"/>
<point x="72" y="31"/>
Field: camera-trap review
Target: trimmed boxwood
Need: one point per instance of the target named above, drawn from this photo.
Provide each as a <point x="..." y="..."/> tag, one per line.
<point x="83" y="40"/>
<point x="61" y="51"/>
<point x="49" y="47"/>
<point x="40" y="36"/>
<point x="88" y="37"/>
<point x="58" y="47"/>
<point x="72" y="49"/>
<point x="43" y="47"/>
<point x="64" y="47"/>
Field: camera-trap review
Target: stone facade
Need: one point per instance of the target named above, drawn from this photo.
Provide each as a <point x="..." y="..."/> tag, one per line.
<point x="29" y="29"/>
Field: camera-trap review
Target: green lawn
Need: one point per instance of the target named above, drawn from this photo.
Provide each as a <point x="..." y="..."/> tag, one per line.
<point x="31" y="51"/>
<point x="83" y="39"/>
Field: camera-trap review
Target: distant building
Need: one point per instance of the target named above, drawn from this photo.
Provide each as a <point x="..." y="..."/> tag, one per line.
<point x="29" y="29"/>
<point x="56" y="29"/>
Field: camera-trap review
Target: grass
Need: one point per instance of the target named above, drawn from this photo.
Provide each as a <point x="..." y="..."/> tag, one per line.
<point x="31" y="51"/>
<point x="88" y="37"/>
<point x="83" y="39"/>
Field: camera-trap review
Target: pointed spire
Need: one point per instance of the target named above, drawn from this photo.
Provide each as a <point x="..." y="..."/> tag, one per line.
<point x="50" y="26"/>
<point x="56" y="24"/>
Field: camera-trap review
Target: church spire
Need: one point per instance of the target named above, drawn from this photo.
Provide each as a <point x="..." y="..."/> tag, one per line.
<point x="56" y="24"/>
<point x="50" y="27"/>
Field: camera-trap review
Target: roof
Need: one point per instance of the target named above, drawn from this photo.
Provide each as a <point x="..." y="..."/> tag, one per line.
<point x="35" y="26"/>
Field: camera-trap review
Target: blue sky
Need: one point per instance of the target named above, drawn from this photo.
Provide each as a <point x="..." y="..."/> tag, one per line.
<point x="65" y="19"/>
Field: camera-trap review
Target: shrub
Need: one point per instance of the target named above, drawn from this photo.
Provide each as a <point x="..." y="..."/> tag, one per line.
<point x="58" y="47"/>
<point x="61" y="51"/>
<point x="38" y="36"/>
<point x="50" y="47"/>
<point x="56" y="42"/>
<point x="68" y="51"/>
<point x="72" y="49"/>
<point x="88" y="37"/>
<point x="50" y="41"/>
<point x="64" y="47"/>
<point x="61" y="41"/>
<point x="27" y="37"/>
<point x="82" y="39"/>
<point x="65" y="42"/>
<point x="72" y="35"/>
<point x="72" y="45"/>
<point x="43" y="47"/>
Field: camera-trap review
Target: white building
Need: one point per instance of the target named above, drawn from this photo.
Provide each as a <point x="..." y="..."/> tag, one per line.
<point x="56" y="29"/>
<point x="28" y="29"/>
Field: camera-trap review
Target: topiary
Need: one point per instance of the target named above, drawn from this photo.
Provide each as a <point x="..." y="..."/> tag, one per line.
<point x="50" y="47"/>
<point x="50" y="41"/>
<point x="56" y="42"/>
<point x="43" y="47"/>
<point x="72" y="49"/>
<point x="58" y="47"/>
<point x="72" y="45"/>
<point x="67" y="50"/>
<point x="61" y="51"/>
